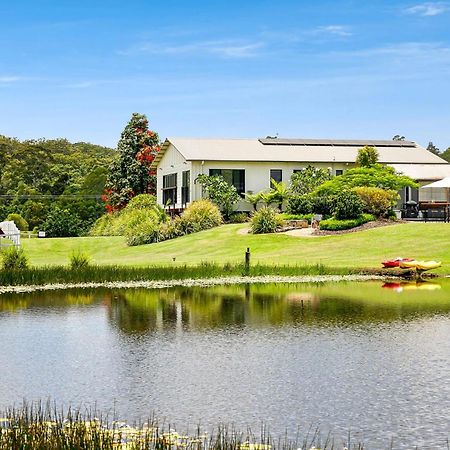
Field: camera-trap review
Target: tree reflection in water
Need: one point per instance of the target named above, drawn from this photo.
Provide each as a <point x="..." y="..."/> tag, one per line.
<point x="138" y="311"/>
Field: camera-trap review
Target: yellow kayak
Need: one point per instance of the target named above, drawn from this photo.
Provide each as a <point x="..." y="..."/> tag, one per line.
<point x="428" y="265"/>
<point x="420" y="265"/>
<point x="408" y="264"/>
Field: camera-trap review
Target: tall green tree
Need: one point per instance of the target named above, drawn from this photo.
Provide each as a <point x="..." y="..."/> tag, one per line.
<point x="433" y="149"/>
<point x="131" y="174"/>
<point x="367" y="156"/>
<point x="446" y="155"/>
<point x="383" y="177"/>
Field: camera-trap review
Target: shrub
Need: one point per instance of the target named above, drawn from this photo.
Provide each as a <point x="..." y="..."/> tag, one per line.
<point x="307" y="217"/>
<point x="171" y="229"/>
<point x="123" y="222"/>
<point x="79" y="260"/>
<point x="20" y="222"/>
<point x="347" y="205"/>
<point x="300" y="204"/>
<point x="266" y="220"/>
<point x="142" y="201"/>
<point x="103" y="225"/>
<point x="14" y="258"/>
<point x="144" y="233"/>
<point x="323" y="204"/>
<point x="378" y="202"/>
<point x="239" y="217"/>
<point x="308" y="179"/>
<point x="221" y="193"/>
<point x="200" y="215"/>
<point x="334" y="224"/>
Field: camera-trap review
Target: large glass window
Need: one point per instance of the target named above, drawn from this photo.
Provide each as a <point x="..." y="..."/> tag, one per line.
<point x="276" y="175"/>
<point x="170" y="189"/>
<point x="235" y="177"/>
<point x="185" y="183"/>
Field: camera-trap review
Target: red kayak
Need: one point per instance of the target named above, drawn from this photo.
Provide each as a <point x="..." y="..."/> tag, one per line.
<point x="395" y="262"/>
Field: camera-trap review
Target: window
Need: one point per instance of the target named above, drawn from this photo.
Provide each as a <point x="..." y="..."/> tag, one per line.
<point x="277" y="175"/>
<point x="339" y="172"/>
<point x="235" y="177"/>
<point x="186" y="179"/>
<point x="170" y="189"/>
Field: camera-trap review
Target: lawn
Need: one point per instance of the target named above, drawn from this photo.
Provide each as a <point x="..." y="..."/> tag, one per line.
<point x="225" y="244"/>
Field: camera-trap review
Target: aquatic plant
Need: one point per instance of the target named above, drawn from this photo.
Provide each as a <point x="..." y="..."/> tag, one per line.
<point x="38" y="426"/>
<point x="205" y="270"/>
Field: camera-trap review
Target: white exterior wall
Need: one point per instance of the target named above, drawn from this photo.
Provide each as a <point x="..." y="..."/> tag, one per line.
<point x="257" y="174"/>
<point x="172" y="162"/>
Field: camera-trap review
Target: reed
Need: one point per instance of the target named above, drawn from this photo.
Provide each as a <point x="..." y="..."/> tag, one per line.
<point x="99" y="274"/>
<point x="38" y="426"/>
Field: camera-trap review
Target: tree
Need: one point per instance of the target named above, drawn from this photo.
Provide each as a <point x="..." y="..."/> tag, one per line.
<point x="378" y="175"/>
<point x="132" y="174"/>
<point x="308" y="179"/>
<point x="224" y="195"/>
<point x="62" y="223"/>
<point x="433" y="149"/>
<point x="367" y="156"/>
<point x="446" y="155"/>
<point x="20" y="222"/>
<point x="397" y="137"/>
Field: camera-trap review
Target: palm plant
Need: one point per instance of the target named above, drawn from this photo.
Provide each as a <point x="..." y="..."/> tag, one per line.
<point x="253" y="199"/>
<point x="279" y="193"/>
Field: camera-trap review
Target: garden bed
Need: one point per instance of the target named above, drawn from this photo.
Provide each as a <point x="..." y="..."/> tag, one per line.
<point x="366" y="226"/>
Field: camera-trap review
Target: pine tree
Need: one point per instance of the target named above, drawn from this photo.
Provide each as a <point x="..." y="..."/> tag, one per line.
<point x="131" y="174"/>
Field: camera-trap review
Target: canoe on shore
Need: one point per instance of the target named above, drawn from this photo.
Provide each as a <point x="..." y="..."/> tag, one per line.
<point x="420" y="265"/>
<point x="395" y="262"/>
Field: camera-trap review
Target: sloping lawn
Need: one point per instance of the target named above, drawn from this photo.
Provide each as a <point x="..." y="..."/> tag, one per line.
<point x="225" y="244"/>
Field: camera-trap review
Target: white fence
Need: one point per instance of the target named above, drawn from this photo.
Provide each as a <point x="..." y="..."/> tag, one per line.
<point x="9" y="231"/>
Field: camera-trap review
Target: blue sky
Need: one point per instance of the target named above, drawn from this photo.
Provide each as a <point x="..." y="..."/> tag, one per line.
<point x="314" y="69"/>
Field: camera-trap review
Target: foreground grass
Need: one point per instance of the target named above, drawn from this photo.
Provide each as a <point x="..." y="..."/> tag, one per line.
<point x="226" y="244"/>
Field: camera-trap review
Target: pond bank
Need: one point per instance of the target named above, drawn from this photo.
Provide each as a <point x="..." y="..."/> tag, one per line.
<point x="189" y="282"/>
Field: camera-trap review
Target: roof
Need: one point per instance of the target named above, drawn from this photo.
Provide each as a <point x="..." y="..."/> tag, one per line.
<point x="425" y="172"/>
<point x="296" y="150"/>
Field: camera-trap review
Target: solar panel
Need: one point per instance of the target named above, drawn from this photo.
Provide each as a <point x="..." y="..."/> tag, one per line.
<point x="336" y="142"/>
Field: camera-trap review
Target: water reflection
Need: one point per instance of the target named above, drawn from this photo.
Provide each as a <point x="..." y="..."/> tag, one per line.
<point x="341" y="356"/>
<point x="142" y="311"/>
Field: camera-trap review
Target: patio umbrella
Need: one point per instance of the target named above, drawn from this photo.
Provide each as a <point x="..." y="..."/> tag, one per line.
<point x="444" y="183"/>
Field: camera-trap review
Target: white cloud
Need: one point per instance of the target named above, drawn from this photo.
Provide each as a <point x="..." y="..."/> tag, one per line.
<point x="336" y="30"/>
<point x="411" y="51"/>
<point x="9" y="79"/>
<point x="224" y="48"/>
<point x="428" y="9"/>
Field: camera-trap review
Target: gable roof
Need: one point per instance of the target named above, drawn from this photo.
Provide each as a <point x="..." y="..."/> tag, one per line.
<point x="296" y="150"/>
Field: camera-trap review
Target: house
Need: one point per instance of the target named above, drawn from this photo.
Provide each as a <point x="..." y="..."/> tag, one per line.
<point x="250" y="164"/>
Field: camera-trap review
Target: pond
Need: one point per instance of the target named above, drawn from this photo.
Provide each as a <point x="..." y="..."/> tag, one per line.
<point x="372" y="359"/>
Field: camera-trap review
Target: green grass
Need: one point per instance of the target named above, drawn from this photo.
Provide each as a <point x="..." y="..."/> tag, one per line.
<point x="38" y="427"/>
<point x="225" y="244"/>
<point x="107" y="273"/>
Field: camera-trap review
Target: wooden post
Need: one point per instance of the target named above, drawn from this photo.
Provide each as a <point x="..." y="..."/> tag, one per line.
<point x="247" y="261"/>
